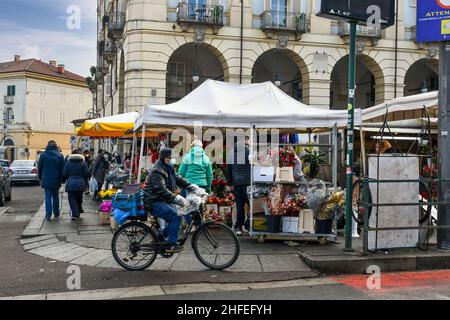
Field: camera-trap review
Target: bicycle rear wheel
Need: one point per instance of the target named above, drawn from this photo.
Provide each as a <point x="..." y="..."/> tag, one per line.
<point x="134" y="246"/>
<point x="215" y="245"/>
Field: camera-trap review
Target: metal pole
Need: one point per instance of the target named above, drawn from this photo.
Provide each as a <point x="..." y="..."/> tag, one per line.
<point x="335" y="155"/>
<point x="141" y="154"/>
<point x="350" y="136"/>
<point x="241" y="42"/>
<point x="132" y="155"/>
<point x="443" y="235"/>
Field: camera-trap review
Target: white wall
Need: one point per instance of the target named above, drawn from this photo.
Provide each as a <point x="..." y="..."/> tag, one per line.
<point x="410" y="13"/>
<point x="53" y="110"/>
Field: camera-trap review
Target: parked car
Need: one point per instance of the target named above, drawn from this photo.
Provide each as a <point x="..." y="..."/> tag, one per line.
<point x="5" y="187"/>
<point x="24" y="171"/>
<point x="5" y="164"/>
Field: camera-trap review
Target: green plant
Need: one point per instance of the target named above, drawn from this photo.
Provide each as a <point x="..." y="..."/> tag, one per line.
<point x="314" y="160"/>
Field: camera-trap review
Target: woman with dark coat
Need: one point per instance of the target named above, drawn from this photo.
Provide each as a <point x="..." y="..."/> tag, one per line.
<point x="101" y="165"/>
<point x="75" y="174"/>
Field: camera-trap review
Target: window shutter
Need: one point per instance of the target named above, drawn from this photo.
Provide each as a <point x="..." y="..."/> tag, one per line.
<point x="13" y="90"/>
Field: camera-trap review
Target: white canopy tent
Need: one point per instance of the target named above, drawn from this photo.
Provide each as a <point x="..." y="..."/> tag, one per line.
<point x="227" y="105"/>
<point x="403" y="104"/>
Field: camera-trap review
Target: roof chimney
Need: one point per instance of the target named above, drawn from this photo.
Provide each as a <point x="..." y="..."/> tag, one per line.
<point x="16" y="58"/>
<point x="52" y="63"/>
<point x="61" y="68"/>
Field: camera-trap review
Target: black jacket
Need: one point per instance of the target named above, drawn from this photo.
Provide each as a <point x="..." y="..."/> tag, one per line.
<point x="239" y="174"/>
<point x="101" y="165"/>
<point x="157" y="187"/>
<point x="75" y="173"/>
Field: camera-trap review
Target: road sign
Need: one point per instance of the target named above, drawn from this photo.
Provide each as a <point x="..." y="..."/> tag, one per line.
<point x="433" y="21"/>
<point x="73" y="140"/>
<point x="358" y="10"/>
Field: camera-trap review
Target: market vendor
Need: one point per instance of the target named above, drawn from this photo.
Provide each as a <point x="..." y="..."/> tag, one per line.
<point x="196" y="168"/>
<point x="159" y="196"/>
<point x="238" y="176"/>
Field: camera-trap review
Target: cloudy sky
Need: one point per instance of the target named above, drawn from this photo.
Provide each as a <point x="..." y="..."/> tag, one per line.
<point x="44" y="29"/>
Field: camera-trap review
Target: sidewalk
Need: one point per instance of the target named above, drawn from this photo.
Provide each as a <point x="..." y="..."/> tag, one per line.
<point x="85" y="242"/>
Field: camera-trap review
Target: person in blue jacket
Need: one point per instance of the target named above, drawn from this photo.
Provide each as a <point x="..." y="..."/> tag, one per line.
<point x="50" y="170"/>
<point x="75" y="174"/>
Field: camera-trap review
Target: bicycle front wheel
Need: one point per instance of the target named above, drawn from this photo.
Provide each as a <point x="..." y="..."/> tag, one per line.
<point x="215" y="245"/>
<point x="134" y="246"/>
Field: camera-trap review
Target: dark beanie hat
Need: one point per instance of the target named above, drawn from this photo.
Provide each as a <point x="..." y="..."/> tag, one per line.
<point x="165" y="153"/>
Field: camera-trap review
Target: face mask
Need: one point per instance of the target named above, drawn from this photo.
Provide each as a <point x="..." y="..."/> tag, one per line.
<point x="172" y="162"/>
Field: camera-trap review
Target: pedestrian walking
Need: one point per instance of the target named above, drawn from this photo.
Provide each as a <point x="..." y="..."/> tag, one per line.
<point x="196" y="168"/>
<point x="88" y="161"/>
<point x="99" y="168"/>
<point x="75" y="175"/>
<point x="50" y="170"/>
<point x="238" y="176"/>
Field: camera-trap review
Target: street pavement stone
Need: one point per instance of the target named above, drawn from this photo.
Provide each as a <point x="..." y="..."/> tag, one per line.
<point x="93" y="258"/>
<point x="246" y="263"/>
<point x="59" y="251"/>
<point x="285" y="262"/>
<point x="37" y="239"/>
<point x="187" y="262"/>
<point x="38" y="244"/>
<point x="162" y="264"/>
<point x="75" y="254"/>
<point x="109" y="263"/>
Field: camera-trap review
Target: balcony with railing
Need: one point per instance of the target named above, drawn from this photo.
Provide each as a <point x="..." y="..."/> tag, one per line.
<point x="199" y="14"/>
<point x="108" y="49"/>
<point x="116" y="24"/>
<point x="103" y="65"/>
<point x="272" y="20"/>
<point x="8" y="99"/>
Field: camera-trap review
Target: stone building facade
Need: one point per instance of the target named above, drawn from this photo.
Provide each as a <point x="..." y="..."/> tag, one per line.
<point x="157" y="51"/>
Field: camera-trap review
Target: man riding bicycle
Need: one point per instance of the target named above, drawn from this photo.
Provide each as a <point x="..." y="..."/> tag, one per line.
<point x="159" y="196"/>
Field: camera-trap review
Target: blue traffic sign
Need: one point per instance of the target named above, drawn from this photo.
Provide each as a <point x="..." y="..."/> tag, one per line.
<point x="433" y="21"/>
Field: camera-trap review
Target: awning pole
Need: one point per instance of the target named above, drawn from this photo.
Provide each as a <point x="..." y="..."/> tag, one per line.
<point x="132" y="156"/>
<point x="141" y="154"/>
<point x="335" y="155"/>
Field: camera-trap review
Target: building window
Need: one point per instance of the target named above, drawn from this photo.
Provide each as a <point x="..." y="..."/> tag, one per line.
<point x="63" y="95"/>
<point x="11" y="91"/>
<point x="42" y="116"/>
<point x="62" y="118"/>
<point x="177" y="84"/>
<point x="42" y="92"/>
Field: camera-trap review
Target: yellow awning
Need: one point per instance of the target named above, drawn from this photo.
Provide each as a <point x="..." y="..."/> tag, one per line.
<point x="108" y="127"/>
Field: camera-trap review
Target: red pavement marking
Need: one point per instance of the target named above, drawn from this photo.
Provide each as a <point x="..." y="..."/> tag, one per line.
<point x="398" y="280"/>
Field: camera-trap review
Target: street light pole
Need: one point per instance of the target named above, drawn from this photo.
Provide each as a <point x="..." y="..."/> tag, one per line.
<point x="350" y="136"/>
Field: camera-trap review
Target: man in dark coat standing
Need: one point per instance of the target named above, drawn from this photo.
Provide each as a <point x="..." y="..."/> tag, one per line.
<point x="50" y="169"/>
<point x="75" y="174"/>
<point x="238" y="176"/>
<point x="101" y="165"/>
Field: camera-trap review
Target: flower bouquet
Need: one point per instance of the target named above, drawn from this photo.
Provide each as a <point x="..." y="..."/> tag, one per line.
<point x="287" y="158"/>
<point x="107" y="194"/>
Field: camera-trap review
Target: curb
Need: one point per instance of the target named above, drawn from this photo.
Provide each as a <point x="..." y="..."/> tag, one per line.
<point x="359" y="264"/>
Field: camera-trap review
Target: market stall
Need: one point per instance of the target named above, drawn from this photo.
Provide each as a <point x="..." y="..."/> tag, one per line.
<point x="258" y="107"/>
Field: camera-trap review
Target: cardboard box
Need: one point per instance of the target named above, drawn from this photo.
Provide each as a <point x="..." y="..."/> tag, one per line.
<point x="226" y="210"/>
<point x="260" y="223"/>
<point x="113" y="223"/>
<point x="258" y="204"/>
<point x="104" y="218"/>
<point x="212" y="208"/>
<point x="289" y="224"/>
<point x="263" y="174"/>
<point x="306" y="222"/>
<point x="285" y="174"/>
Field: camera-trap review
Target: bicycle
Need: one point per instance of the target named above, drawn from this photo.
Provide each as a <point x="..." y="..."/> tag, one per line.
<point x="144" y="242"/>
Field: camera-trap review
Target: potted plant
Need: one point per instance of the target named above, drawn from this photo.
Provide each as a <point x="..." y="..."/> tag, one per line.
<point x="313" y="160"/>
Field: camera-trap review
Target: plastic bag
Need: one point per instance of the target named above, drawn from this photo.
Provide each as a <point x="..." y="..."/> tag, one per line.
<point x="93" y="185"/>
